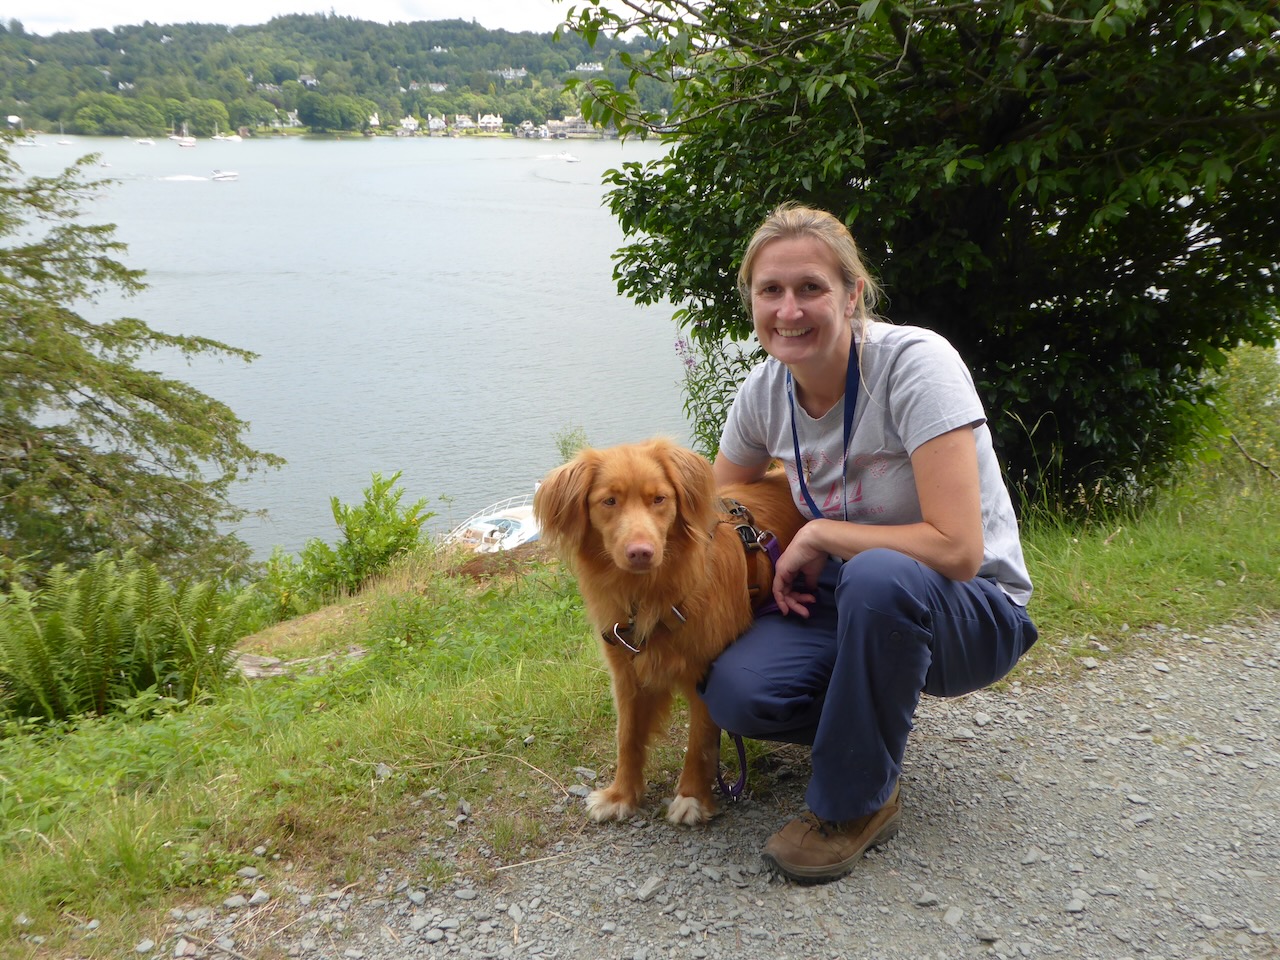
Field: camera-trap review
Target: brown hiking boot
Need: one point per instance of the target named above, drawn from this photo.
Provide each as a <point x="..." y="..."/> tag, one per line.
<point x="812" y="850"/>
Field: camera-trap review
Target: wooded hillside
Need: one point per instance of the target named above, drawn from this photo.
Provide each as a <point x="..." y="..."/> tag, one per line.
<point x="149" y="79"/>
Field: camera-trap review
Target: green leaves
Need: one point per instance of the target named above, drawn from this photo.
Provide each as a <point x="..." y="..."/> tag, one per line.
<point x="374" y="533"/>
<point x="95" y="453"/>
<point x="1087" y="183"/>
<point x="88" y="642"/>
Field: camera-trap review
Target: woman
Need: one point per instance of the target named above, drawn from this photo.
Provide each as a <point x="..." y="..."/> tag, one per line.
<point x="909" y="578"/>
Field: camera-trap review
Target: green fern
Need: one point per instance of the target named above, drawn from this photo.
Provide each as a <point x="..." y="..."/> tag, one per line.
<point x="91" y="640"/>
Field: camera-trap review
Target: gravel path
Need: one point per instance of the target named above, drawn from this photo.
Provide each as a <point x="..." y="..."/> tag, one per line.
<point x="1132" y="812"/>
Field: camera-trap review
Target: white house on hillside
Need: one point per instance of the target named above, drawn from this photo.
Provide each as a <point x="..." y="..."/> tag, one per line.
<point x="490" y="123"/>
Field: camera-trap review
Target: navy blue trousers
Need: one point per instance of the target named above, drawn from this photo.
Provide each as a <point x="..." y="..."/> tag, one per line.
<point x="848" y="679"/>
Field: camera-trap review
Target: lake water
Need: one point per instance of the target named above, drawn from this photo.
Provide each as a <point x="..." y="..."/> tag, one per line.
<point x="440" y="307"/>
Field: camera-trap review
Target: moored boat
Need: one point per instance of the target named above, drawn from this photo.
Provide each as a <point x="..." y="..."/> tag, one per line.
<point x="499" y="526"/>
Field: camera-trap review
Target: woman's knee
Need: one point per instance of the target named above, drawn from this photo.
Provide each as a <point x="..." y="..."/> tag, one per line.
<point x="885" y="581"/>
<point x="743" y="701"/>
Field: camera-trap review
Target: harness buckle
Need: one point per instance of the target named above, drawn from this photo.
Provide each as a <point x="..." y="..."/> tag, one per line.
<point x="620" y="635"/>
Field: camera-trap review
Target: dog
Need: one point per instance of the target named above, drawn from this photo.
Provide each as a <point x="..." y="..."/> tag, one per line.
<point x="667" y="575"/>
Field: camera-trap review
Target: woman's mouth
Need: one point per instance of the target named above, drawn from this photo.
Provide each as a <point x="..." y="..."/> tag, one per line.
<point x="791" y="333"/>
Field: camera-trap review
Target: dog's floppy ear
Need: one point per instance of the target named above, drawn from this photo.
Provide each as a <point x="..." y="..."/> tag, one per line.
<point x="695" y="487"/>
<point x="560" y="502"/>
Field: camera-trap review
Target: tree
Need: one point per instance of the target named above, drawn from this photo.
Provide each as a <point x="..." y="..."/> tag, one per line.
<point x="1081" y="195"/>
<point x="97" y="454"/>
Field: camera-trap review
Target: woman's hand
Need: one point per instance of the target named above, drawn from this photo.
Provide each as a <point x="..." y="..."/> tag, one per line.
<point x="795" y="579"/>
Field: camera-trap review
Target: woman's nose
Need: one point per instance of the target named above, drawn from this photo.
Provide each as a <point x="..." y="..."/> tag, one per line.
<point x="789" y="306"/>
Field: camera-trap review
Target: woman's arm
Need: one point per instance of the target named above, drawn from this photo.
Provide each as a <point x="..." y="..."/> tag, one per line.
<point x="948" y="538"/>
<point x="726" y="471"/>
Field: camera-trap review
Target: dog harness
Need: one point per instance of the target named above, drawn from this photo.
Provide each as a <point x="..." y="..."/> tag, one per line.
<point x="758" y="544"/>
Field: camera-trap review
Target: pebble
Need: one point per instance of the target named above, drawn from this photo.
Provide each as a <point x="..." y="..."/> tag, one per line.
<point x="1067" y="829"/>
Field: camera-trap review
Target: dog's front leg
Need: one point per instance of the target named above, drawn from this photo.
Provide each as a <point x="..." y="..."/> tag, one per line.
<point x="693" y="802"/>
<point x="639" y="713"/>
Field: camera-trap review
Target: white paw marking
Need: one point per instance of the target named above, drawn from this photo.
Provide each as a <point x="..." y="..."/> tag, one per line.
<point x="600" y="809"/>
<point x="688" y="811"/>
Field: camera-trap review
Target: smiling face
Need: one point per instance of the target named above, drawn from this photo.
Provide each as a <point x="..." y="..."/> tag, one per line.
<point x="800" y="305"/>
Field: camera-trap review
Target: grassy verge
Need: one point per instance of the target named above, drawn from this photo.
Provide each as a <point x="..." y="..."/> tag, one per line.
<point x="479" y="695"/>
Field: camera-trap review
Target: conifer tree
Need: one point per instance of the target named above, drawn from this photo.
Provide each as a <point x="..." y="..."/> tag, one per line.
<point x="97" y="452"/>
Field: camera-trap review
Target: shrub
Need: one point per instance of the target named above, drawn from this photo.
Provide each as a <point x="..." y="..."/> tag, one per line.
<point x="1246" y="392"/>
<point x="712" y="374"/>
<point x="373" y="534"/>
<point x="87" y="642"/>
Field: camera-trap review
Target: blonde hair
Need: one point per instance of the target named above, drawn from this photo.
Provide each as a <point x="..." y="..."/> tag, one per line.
<point x="792" y="220"/>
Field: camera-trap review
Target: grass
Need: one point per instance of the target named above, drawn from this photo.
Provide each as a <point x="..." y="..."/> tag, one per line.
<point x="480" y="691"/>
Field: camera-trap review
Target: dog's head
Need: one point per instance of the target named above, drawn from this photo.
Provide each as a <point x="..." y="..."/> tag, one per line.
<point x="631" y="504"/>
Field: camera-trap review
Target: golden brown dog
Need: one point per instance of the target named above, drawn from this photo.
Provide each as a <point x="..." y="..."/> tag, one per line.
<point x="666" y="581"/>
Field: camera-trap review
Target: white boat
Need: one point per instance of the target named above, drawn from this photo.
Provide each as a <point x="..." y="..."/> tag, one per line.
<point x="499" y="526"/>
<point x="225" y="175"/>
<point x="146" y="142"/>
<point x="567" y="158"/>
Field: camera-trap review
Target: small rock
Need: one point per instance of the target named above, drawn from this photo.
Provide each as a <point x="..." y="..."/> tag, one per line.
<point x="649" y="889"/>
<point x="145" y="946"/>
<point x="952" y="916"/>
<point x="465" y="894"/>
<point x="1075" y="906"/>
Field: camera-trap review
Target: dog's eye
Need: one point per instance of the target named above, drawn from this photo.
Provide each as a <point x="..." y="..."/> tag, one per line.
<point x="609" y="502"/>
<point x="658" y="500"/>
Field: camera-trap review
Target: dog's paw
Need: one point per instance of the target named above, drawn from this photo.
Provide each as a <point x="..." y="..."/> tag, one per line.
<point x="604" y="805"/>
<point x="688" y="811"/>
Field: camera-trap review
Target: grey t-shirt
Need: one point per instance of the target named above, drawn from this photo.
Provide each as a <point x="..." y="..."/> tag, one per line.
<point x="914" y="387"/>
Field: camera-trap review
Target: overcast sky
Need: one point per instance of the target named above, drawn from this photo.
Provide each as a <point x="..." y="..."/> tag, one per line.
<point x="45" y="17"/>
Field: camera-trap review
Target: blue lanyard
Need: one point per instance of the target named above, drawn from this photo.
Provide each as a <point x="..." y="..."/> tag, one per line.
<point x="851" y="383"/>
